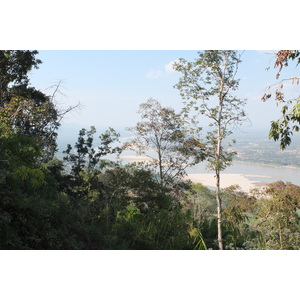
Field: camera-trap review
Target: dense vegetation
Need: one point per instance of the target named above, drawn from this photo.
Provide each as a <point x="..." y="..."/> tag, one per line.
<point x="86" y="201"/>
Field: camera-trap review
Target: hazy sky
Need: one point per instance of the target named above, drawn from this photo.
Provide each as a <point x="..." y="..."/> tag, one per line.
<point x="110" y="85"/>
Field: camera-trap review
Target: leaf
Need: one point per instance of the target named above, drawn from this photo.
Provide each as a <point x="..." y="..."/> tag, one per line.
<point x="284" y="109"/>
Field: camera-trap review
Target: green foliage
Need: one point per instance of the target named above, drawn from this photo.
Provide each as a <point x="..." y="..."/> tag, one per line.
<point x="276" y="216"/>
<point x="35" y="177"/>
<point x="14" y="68"/>
<point x="199" y="241"/>
<point x="201" y="201"/>
<point x="19" y="156"/>
<point x="86" y="154"/>
<point x="238" y="207"/>
<point x="283" y="128"/>
<point x="23" y="109"/>
<point x="165" y="229"/>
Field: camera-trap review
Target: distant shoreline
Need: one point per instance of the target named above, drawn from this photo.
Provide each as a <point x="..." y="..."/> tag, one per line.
<point x="266" y="165"/>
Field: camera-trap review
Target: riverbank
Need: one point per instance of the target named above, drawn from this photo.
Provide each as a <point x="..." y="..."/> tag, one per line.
<point x="227" y="180"/>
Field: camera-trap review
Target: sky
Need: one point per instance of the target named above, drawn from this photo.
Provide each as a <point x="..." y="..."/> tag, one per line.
<point x="110" y="84"/>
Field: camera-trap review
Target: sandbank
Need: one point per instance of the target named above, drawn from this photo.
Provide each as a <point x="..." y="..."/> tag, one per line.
<point x="227" y="180"/>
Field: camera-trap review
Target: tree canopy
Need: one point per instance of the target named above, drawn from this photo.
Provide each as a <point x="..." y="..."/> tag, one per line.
<point x="169" y="141"/>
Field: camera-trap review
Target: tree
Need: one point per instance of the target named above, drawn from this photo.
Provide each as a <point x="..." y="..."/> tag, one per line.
<point x="25" y="110"/>
<point x="24" y="116"/>
<point x="86" y="154"/>
<point x="14" y="68"/>
<point x="208" y="83"/>
<point x="277" y="216"/>
<point x="237" y="211"/>
<point x="168" y="140"/>
<point x="85" y="161"/>
<point x="201" y="201"/>
<point x="283" y="128"/>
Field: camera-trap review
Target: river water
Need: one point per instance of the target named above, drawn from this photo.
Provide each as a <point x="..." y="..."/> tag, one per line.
<point x="255" y="172"/>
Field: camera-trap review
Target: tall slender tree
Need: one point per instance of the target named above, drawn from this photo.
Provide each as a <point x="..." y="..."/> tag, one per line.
<point x="208" y="83"/>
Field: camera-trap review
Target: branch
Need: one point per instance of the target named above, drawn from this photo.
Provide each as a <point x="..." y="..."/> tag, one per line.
<point x="293" y="79"/>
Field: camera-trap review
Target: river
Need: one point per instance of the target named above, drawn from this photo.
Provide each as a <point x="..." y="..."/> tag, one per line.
<point x="255" y="172"/>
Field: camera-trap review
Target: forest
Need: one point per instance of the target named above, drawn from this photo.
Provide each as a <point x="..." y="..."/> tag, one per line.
<point x="89" y="201"/>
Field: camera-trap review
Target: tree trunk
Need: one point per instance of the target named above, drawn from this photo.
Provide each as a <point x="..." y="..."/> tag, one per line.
<point x="219" y="210"/>
<point x="160" y="169"/>
<point x="158" y="145"/>
<point x="218" y="189"/>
